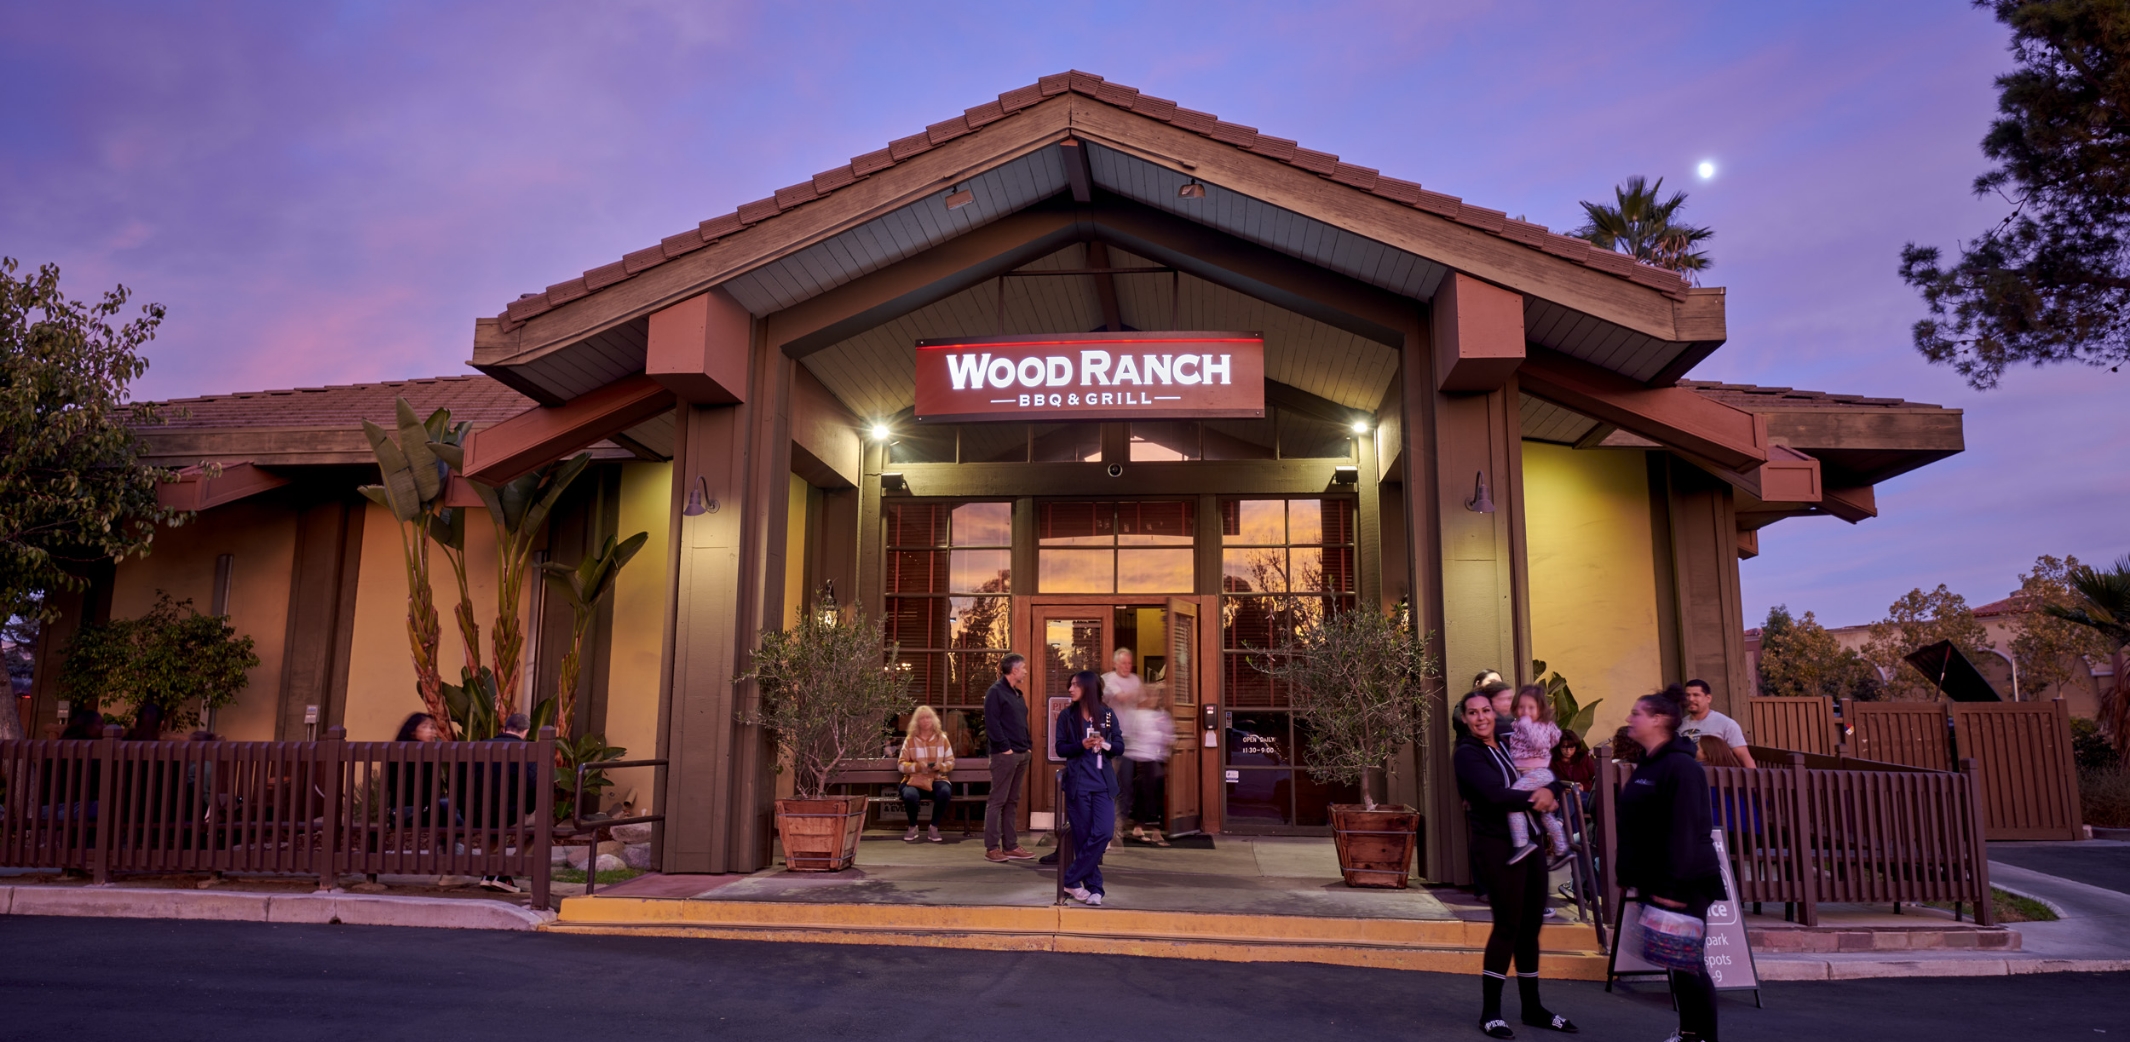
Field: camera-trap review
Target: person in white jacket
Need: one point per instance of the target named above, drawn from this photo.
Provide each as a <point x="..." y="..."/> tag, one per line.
<point x="1148" y="734"/>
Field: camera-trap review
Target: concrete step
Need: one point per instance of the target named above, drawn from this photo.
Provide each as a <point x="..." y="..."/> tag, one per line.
<point x="1935" y="937"/>
<point x="1442" y="945"/>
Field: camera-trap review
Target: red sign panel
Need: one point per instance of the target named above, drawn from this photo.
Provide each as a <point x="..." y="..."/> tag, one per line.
<point x="1091" y="376"/>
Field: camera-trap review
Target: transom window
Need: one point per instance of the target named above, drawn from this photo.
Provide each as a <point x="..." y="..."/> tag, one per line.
<point x="1113" y="547"/>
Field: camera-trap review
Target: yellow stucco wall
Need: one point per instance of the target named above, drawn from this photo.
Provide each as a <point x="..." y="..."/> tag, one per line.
<point x="638" y="646"/>
<point x="262" y="540"/>
<point x="795" y="551"/>
<point x="1593" y="585"/>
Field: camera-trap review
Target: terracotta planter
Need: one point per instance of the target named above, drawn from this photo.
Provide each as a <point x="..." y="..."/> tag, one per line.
<point x="820" y="834"/>
<point x="1375" y="846"/>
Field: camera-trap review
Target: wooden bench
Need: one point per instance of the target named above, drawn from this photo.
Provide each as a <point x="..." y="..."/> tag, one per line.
<point x="886" y="771"/>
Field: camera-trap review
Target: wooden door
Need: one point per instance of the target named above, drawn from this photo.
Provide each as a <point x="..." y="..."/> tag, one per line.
<point x="1068" y="638"/>
<point x="1186" y="809"/>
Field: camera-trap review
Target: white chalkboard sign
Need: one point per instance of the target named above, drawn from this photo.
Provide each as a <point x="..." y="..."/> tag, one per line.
<point x="1729" y="956"/>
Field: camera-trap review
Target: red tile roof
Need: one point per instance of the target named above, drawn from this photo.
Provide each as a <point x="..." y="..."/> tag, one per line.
<point x="1747" y="396"/>
<point x="1323" y="164"/>
<point x="476" y="398"/>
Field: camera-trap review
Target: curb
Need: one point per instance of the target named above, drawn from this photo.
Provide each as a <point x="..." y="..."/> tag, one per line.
<point x="241" y="906"/>
<point x="1794" y="968"/>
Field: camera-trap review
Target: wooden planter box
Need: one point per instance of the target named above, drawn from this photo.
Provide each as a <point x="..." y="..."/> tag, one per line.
<point x="1375" y="846"/>
<point x="820" y="834"/>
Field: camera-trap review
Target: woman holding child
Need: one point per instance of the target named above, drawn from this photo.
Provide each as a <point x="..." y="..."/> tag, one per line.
<point x="1516" y="886"/>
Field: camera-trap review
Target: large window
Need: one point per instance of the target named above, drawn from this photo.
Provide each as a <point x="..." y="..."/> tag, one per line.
<point x="1109" y="547"/>
<point x="949" y="571"/>
<point x="1283" y="562"/>
<point x="1281" y="434"/>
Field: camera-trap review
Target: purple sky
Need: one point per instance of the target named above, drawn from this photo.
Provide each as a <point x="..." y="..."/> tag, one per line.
<point x="326" y="194"/>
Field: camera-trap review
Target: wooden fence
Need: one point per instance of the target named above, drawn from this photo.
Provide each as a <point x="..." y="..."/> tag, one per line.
<point x="1806" y="830"/>
<point x="323" y="808"/>
<point x="1801" y="722"/>
<point x="2029" y="777"/>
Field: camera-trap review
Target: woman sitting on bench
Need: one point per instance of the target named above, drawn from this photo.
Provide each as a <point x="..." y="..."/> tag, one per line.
<point x="927" y="758"/>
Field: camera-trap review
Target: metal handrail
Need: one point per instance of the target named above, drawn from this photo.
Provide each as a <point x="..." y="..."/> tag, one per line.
<point x="579" y="826"/>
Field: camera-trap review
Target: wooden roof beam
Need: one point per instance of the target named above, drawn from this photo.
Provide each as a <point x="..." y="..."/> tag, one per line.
<point x="1673" y="416"/>
<point x="546" y="433"/>
<point x="1478" y="334"/>
<point x="204" y="487"/>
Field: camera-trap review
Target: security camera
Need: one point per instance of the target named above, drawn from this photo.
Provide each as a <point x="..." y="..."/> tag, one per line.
<point x="1116" y="470"/>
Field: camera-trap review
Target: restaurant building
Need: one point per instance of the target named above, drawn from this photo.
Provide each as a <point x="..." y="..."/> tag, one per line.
<point x="1074" y="370"/>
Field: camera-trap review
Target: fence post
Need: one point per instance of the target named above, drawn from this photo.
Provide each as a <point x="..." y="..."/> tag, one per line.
<point x="106" y="784"/>
<point x="543" y="838"/>
<point x="1803" y="845"/>
<point x="1608" y="792"/>
<point x="1985" y="902"/>
<point x="327" y="761"/>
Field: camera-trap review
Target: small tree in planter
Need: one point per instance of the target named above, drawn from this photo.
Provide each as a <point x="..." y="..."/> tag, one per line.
<point x="827" y="693"/>
<point x="1361" y="680"/>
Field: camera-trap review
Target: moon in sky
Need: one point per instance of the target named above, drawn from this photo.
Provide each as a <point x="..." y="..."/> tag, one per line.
<point x="1706" y="170"/>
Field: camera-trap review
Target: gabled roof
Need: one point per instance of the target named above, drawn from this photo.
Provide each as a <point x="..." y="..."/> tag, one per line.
<point x="1753" y="397"/>
<point x="1323" y="164"/>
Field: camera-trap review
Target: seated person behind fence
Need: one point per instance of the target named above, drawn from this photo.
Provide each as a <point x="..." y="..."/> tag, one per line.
<point x="411" y="792"/>
<point x="926" y="761"/>
<point x="1572" y="762"/>
<point x="1532" y="736"/>
<point x="1711" y="751"/>
<point x="1625" y="749"/>
<point x="1696" y="698"/>
<point x="509" y="796"/>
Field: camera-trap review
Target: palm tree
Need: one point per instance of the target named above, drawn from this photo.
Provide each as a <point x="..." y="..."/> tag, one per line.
<point x="1644" y="227"/>
<point x="2104" y="605"/>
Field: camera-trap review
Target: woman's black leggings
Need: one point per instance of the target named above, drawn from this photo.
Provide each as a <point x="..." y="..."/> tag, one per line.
<point x="1517" y="895"/>
<point x="1695" y="992"/>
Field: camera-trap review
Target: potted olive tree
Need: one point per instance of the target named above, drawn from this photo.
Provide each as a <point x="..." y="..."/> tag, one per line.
<point x="1360" y="680"/>
<point x="827" y="694"/>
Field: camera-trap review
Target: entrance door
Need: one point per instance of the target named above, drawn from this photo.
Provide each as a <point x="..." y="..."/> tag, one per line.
<point x="1069" y="638"/>
<point x="1185" y="812"/>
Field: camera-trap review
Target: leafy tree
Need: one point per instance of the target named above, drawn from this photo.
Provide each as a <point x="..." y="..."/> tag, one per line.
<point x="2049" y="650"/>
<point x="2050" y="282"/>
<point x="413" y="489"/>
<point x="73" y="491"/>
<point x="587" y="585"/>
<point x="826" y="693"/>
<point x="1799" y="657"/>
<point x="1647" y="228"/>
<point x="173" y="658"/>
<point x="1916" y="620"/>
<point x="2103" y="606"/>
<point x="1361" y="678"/>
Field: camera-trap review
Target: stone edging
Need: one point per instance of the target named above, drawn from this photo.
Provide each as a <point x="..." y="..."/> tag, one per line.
<point x="1809" y="968"/>
<point x="255" y="907"/>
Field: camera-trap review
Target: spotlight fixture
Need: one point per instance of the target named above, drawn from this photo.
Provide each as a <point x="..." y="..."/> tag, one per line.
<point x="881" y="432"/>
<point x="1348" y="475"/>
<point x="1191" y="190"/>
<point x="699" y="501"/>
<point x="1360" y="426"/>
<point x="961" y="196"/>
<point x="894" y="482"/>
<point x="1481" y="502"/>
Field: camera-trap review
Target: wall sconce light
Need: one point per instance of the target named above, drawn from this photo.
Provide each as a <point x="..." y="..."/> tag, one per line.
<point x="961" y="196"/>
<point x="1345" y="475"/>
<point x="1191" y="190"/>
<point x="1481" y="502"/>
<point x="826" y="610"/>
<point x="893" y="482"/>
<point x="881" y="432"/>
<point x="699" y="501"/>
<point x="1360" y="426"/>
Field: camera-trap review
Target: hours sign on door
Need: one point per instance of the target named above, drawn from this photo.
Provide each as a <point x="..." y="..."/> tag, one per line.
<point x="1091" y="376"/>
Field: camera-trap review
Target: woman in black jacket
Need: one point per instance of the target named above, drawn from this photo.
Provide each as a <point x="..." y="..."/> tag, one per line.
<point x="1666" y="857"/>
<point x="1516" y="892"/>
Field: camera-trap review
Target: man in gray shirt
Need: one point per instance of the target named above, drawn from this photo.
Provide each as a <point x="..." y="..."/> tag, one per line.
<point x="1702" y="721"/>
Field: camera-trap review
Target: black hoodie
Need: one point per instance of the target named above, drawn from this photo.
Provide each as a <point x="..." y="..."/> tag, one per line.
<point x="1665" y="849"/>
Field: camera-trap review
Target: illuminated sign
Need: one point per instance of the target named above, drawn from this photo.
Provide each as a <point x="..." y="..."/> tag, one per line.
<point x="1091" y="376"/>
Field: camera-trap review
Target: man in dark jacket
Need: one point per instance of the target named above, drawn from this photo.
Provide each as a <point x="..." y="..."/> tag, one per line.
<point x="505" y="801"/>
<point x="1006" y="740"/>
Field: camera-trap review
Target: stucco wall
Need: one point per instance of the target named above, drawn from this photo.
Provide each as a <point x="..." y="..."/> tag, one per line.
<point x="1593" y="586"/>
<point x="638" y="645"/>
<point x="261" y="536"/>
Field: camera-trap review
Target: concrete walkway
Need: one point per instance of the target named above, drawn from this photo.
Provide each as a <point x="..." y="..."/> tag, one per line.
<point x="123" y="902"/>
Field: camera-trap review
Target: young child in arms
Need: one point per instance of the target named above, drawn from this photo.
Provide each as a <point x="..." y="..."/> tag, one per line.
<point x="1532" y="737"/>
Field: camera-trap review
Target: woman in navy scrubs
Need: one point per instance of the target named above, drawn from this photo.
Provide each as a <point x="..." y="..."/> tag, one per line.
<point x="1088" y="737"/>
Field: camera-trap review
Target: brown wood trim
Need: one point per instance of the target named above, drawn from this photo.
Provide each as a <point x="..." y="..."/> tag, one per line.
<point x="1105" y="283"/>
<point x="828" y="443"/>
<point x="196" y="490"/>
<point x="545" y="433"/>
<point x="1479" y="335"/>
<point x="999" y="480"/>
<point x="994" y="145"/>
<point x="312" y="653"/>
<point x="1606" y="297"/>
<point x="1674" y="416"/>
<point x="697" y="348"/>
<point x="335" y="711"/>
<point x="1851" y="504"/>
<point x="1700" y="321"/>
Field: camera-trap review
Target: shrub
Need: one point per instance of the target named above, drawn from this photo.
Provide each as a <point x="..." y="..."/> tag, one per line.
<point x="173" y="658"/>
<point x="2105" y="798"/>
<point x="2091" y="748"/>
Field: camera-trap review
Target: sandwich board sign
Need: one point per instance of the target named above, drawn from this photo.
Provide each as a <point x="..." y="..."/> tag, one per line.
<point x="1723" y="947"/>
